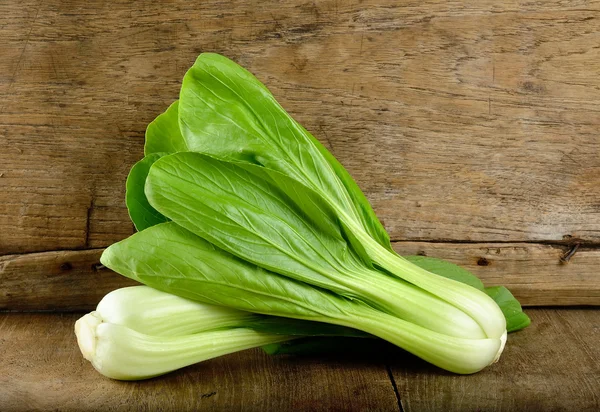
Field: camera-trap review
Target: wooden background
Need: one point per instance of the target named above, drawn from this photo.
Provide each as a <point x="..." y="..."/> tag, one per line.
<point x="554" y="365"/>
<point x="473" y="128"/>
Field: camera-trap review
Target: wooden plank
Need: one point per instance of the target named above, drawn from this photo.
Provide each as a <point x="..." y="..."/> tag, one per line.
<point x="554" y="365"/>
<point x="74" y="280"/>
<point x="551" y="366"/>
<point x="460" y="122"/>
<point x="534" y="273"/>
<point x="65" y="280"/>
<point x="42" y="369"/>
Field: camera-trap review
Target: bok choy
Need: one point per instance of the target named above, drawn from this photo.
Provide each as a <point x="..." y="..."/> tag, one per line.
<point x="139" y="332"/>
<point x="170" y="258"/>
<point x="238" y="205"/>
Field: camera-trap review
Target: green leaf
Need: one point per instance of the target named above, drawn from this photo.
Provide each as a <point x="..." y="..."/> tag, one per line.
<point x="163" y="135"/>
<point x="141" y="213"/>
<point x="252" y="218"/>
<point x="516" y="319"/>
<point x="169" y="258"/>
<point x="226" y="112"/>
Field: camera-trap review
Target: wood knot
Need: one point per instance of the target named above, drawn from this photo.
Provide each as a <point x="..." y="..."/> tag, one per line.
<point x="66" y="266"/>
<point x="483" y="262"/>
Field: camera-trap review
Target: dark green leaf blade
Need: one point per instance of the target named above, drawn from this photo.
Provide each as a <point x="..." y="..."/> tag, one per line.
<point x="297" y="327"/>
<point x="326" y="344"/>
<point x="142" y="214"/>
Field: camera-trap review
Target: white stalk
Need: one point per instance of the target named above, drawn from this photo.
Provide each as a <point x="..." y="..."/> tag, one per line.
<point x="119" y="352"/>
<point x="154" y="312"/>
<point x="139" y="332"/>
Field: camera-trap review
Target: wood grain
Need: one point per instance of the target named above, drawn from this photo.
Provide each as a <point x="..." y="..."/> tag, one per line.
<point x="42" y="369"/>
<point x="534" y="273"/>
<point x="462" y="122"/>
<point x="66" y="280"/>
<point x="75" y="280"/>
<point x="551" y="366"/>
<point x="554" y="365"/>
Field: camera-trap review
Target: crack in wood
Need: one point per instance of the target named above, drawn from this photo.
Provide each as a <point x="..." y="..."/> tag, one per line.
<point x="567" y="242"/>
<point x="38" y="252"/>
<point x="87" y="223"/>
<point x="388" y="368"/>
<point x="581" y="245"/>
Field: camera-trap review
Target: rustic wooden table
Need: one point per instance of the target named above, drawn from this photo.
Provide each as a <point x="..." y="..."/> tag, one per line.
<point x="472" y="127"/>
<point x="552" y="366"/>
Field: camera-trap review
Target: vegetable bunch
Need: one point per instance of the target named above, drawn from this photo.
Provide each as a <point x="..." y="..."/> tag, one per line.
<point x="238" y="206"/>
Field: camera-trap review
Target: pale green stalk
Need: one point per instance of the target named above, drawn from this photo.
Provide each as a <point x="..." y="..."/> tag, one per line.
<point x="458" y="355"/>
<point x="475" y="303"/>
<point x="153" y="312"/>
<point x="139" y="332"/>
<point x="119" y="352"/>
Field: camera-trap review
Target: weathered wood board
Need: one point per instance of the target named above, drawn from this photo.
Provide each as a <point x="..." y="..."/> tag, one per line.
<point x="554" y="365"/>
<point x="551" y="366"/>
<point x="65" y="280"/>
<point x="536" y="274"/>
<point x="473" y="122"/>
<point x="463" y="123"/>
<point x="472" y="127"/>
<point x="75" y="280"/>
<point x="43" y="369"/>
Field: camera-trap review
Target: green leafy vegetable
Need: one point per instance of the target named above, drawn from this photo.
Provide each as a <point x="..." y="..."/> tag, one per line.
<point x="239" y="208"/>
<point x="139" y="332"/>
<point x="174" y="260"/>
<point x="264" y="219"/>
